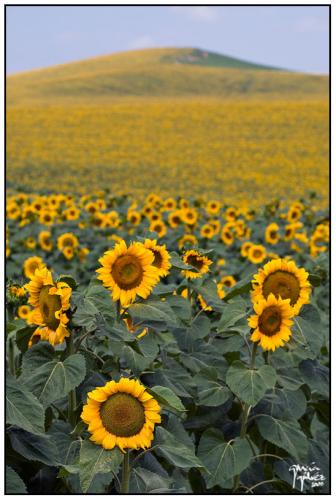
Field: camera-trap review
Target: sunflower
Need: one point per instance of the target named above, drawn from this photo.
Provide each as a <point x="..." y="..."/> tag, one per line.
<point x="83" y="253"/>
<point x="215" y="224"/>
<point x="50" y="301"/>
<point x="272" y="322"/>
<point x="17" y="291"/>
<point x="23" y="311"/>
<point x="68" y="252"/>
<point x="245" y="248"/>
<point x="128" y="272"/>
<point x="158" y="227"/>
<point x="197" y="260"/>
<point x="45" y="242"/>
<point x="283" y="279"/>
<point x="169" y="205"/>
<point x="294" y="214"/>
<point x="175" y="219"/>
<point x="67" y="240"/>
<point x="256" y="254"/>
<point x="30" y="243"/>
<point x="189" y="216"/>
<point x="134" y="217"/>
<point x="227" y="235"/>
<point x="207" y="231"/>
<point x="230" y="213"/>
<point x="213" y="207"/>
<point x="121" y="414"/>
<point x="161" y="257"/>
<point x="47" y="217"/>
<point x="31" y="264"/>
<point x="228" y="281"/>
<point x="71" y="213"/>
<point x="271" y="234"/>
<point x="188" y="240"/>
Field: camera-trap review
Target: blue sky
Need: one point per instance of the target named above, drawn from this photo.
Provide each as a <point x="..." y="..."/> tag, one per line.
<point x="295" y="38"/>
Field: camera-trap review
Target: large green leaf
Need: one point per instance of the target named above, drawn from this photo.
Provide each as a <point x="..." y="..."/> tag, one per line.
<point x="248" y="384"/>
<point x="14" y="483"/>
<point x="174" y="451"/>
<point x="231" y="314"/>
<point x="133" y="360"/>
<point x="39" y="448"/>
<point x="156" y="314"/>
<point x="95" y="460"/>
<point x="22" y="408"/>
<point x="56" y="379"/>
<point x="211" y="392"/>
<point x="222" y="459"/>
<point x="143" y="481"/>
<point x="35" y="357"/>
<point x="166" y="397"/>
<point x="316" y="376"/>
<point x="241" y="288"/>
<point x="286" y="434"/>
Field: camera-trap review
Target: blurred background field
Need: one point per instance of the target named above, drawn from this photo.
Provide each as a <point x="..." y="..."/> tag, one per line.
<point x="171" y="121"/>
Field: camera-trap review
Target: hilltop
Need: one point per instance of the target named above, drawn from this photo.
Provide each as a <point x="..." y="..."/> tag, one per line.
<point x="160" y="72"/>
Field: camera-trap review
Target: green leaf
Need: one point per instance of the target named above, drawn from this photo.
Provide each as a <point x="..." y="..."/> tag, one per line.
<point x="23" y="336"/>
<point x="211" y="392"/>
<point x="287" y="404"/>
<point x="167" y="397"/>
<point x="241" y="288"/>
<point x="250" y="385"/>
<point x="56" y="379"/>
<point x="36" y="448"/>
<point x="208" y="290"/>
<point x="231" y="314"/>
<point x="94" y="307"/>
<point x="174" y="451"/>
<point x="316" y="376"/>
<point x="95" y="460"/>
<point x="14" y="483"/>
<point x="286" y="434"/>
<point x="223" y="459"/>
<point x="133" y="360"/>
<point x="35" y="357"/>
<point x="176" y="261"/>
<point x="143" y="481"/>
<point x="22" y="408"/>
<point x="156" y="314"/>
<point x="69" y="280"/>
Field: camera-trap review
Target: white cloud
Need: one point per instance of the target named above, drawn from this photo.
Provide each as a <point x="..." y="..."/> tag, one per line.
<point x="311" y="25"/>
<point x="199" y="13"/>
<point x="142" y="42"/>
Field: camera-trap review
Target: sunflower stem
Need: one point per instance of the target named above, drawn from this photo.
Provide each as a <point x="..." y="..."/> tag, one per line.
<point x="125" y="473"/>
<point x="72" y="403"/>
<point x="245" y="414"/>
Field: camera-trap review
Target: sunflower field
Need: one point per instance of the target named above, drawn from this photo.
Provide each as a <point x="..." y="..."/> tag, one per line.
<point x="172" y="345"/>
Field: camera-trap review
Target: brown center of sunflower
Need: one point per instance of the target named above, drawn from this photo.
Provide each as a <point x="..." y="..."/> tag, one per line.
<point x="194" y="261"/>
<point x="127" y="272"/>
<point x="257" y="254"/>
<point x="49" y="304"/>
<point x="157" y="259"/>
<point x="122" y="415"/>
<point x="33" y="266"/>
<point x="273" y="235"/>
<point x="68" y="242"/>
<point x="270" y="321"/>
<point x="284" y="284"/>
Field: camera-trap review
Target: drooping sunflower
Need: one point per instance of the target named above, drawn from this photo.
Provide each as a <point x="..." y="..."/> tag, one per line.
<point x="272" y="235"/>
<point x="128" y="272"/>
<point x="256" y="254"/>
<point x="161" y="257"/>
<point x="227" y="235"/>
<point x="67" y="240"/>
<point x="272" y="322"/>
<point x="121" y="414"/>
<point x="245" y="248"/>
<point x="50" y="301"/>
<point x="30" y="243"/>
<point x="283" y="279"/>
<point x="197" y="260"/>
<point x="31" y="264"/>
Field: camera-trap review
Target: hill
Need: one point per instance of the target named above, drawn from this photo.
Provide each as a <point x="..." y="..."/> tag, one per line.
<point x="160" y="72"/>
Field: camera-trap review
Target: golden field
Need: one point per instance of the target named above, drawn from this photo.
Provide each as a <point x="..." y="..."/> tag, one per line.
<point x="241" y="135"/>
